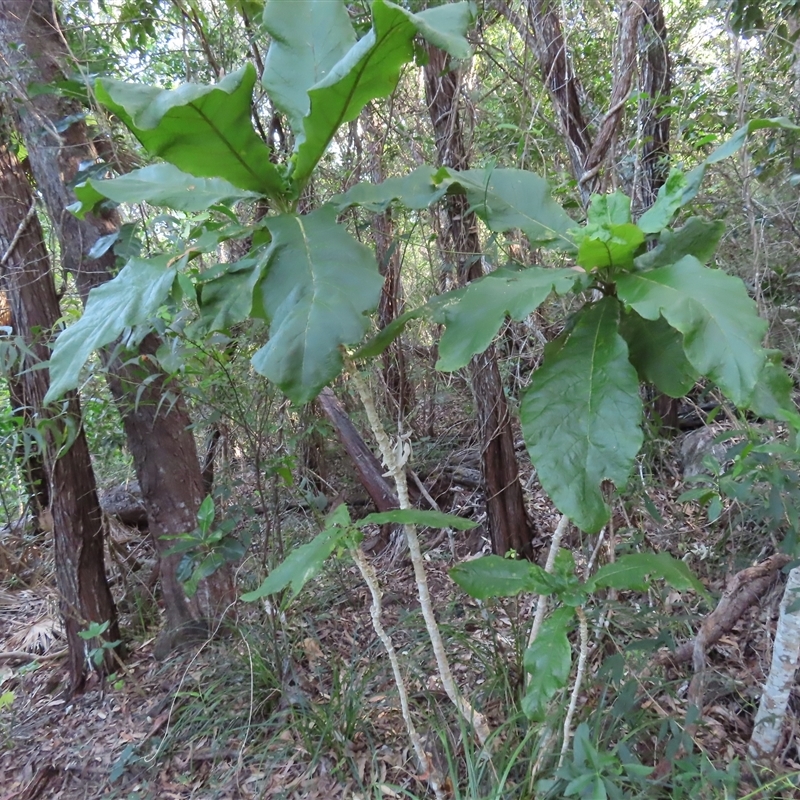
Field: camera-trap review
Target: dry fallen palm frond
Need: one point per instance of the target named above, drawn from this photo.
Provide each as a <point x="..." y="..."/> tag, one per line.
<point x="37" y="636"/>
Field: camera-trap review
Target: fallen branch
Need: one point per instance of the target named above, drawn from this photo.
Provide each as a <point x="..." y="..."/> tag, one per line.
<point x="744" y="589"/>
<point x="23" y="655"/>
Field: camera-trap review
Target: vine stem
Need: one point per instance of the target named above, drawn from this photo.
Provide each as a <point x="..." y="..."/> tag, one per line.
<point x="583" y="627"/>
<point x="395" y="461"/>
<point x="371" y="579"/>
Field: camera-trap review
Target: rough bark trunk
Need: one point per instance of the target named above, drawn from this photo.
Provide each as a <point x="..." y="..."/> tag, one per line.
<point x="543" y="33"/>
<point x="655" y="86"/>
<point x="77" y="518"/>
<point x="162" y="446"/>
<point x="508" y="522"/>
<point x="544" y="36"/>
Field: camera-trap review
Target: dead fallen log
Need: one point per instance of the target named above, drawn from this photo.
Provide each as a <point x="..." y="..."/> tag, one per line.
<point x="23" y="656"/>
<point x="124" y="502"/>
<point x="744" y="589"/>
<point x="369" y="469"/>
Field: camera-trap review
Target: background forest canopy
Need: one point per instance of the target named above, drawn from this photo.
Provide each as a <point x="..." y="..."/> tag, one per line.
<point x="488" y="307"/>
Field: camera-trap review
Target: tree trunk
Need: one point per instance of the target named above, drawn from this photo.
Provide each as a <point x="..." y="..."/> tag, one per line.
<point x="399" y="390"/>
<point x="77" y="518"/>
<point x="508" y="522"/>
<point x="655" y="79"/>
<point x="562" y="84"/>
<point x="158" y="434"/>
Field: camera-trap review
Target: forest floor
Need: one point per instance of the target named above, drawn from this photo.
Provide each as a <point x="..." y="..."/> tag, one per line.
<point x="303" y="705"/>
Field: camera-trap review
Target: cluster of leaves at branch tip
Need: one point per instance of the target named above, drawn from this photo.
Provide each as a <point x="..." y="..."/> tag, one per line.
<point x="549" y="659"/>
<point x="663" y="315"/>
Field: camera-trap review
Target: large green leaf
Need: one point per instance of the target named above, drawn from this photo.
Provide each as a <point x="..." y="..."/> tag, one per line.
<point x="417" y="190"/>
<point x="721" y="329"/>
<point x="303" y="563"/>
<point x="772" y="397"/>
<point x="507" y="199"/>
<point x="132" y="298"/>
<point x="203" y="130"/>
<point x="609" y="238"/>
<point x="474" y="314"/>
<point x="614" y="246"/>
<point x="371" y="70"/>
<point x="418" y="516"/>
<point x="319" y="285"/>
<point x="668" y="201"/>
<point x="159" y="185"/>
<point x="581" y="415"/>
<point x="635" y="571"/>
<point x="227" y="299"/>
<point x="609" y="209"/>
<point x="728" y="148"/>
<point x="494" y="576"/>
<point x="548" y="661"/>
<point x="698" y="237"/>
<point x="308" y="38"/>
<point x="655" y="348"/>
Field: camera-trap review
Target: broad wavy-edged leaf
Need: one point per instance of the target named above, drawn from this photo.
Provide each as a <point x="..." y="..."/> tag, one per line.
<point x="655" y="348"/>
<point x="417" y="190"/>
<point x="507" y="199"/>
<point x="159" y="185"/>
<point x="417" y="516"/>
<point x="317" y="289"/>
<point x="131" y="298"/>
<point x="371" y="70"/>
<point x="474" y="314"/>
<point x="548" y="661"/>
<point x="227" y="299"/>
<point x="304" y="562"/>
<point x="698" y="237"/>
<point x="308" y="38"/>
<point x="494" y="576"/>
<point x="668" y="201"/>
<point x="721" y="329"/>
<point x="202" y="130"/>
<point x="609" y="209"/>
<point x="581" y="415"/>
<point x="634" y="572"/>
<point x="772" y="397"/>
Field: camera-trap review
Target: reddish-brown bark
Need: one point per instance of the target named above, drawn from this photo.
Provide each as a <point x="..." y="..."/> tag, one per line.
<point x="157" y="427"/>
<point x="77" y="518"/>
<point x="508" y="522"/>
<point x="369" y="469"/>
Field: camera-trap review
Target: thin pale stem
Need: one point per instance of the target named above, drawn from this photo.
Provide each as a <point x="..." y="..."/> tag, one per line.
<point x="583" y="627"/>
<point x="371" y="579"/>
<point x="395" y="460"/>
